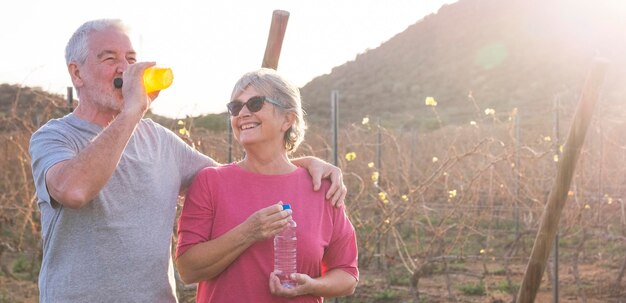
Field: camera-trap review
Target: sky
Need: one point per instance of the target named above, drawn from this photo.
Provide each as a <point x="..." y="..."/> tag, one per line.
<point x="208" y="44"/>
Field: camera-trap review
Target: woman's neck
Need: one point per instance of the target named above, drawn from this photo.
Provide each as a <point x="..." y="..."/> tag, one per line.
<point x="270" y="164"/>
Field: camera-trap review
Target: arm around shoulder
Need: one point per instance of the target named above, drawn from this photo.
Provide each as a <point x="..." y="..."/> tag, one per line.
<point x="319" y="169"/>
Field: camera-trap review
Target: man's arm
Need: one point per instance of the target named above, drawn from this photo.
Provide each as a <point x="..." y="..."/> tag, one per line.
<point x="75" y="182"/>
<point x="319" y="170"/>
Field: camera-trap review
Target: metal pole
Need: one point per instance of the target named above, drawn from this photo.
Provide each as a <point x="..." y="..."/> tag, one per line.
<point x="412" y="164"/>
<point x="70" y="99"/>
<point x="334" y="100"/>
<point x="517" y="172"/>
<point x="555" y="256"/>
<point x="379" y="144"/>
<point x="600" y="170"/>
<point x="378" y="168"/>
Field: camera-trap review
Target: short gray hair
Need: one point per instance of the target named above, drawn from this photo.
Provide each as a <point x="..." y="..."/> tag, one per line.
<point x="76" y="48"/>
<point x="272" y="85"/>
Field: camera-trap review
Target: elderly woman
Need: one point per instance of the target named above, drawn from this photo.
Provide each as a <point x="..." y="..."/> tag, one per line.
<point x="232" y="212"/>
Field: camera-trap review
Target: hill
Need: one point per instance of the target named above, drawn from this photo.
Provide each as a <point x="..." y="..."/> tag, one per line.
<point x="505" y="53"/>
<point x="27" y="108"/>
<point x="469" y="56"/>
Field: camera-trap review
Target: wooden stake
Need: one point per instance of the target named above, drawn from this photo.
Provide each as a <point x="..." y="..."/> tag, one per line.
<point x="558" y="195"/>
<point x="275" y="39"/>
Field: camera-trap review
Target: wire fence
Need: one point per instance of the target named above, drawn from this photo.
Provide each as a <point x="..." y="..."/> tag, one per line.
<point x="444" y="215"/>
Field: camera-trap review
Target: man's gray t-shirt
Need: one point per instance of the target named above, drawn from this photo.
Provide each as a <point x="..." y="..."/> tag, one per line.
<point x="117" y="248"/>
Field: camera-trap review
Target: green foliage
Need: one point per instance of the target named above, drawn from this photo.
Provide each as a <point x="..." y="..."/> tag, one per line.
<point x="4" y="296"/>
<point x="6" y="232"/>
<point x="614" y="248"/>
<point x="386" y="294"/>
<point x="399" y="278"/>
<point x="457" y="266"/>
<point x="473" y="289"/>
<point x="504" y="286"/>
<point x="21" y="265"/>
<point x="499" y="271"/>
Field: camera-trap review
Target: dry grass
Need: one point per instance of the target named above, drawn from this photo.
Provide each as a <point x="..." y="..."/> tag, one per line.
<point x="438" y="215"/>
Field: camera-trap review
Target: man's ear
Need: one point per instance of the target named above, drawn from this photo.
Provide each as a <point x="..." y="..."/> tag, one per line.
<point x="74" y="71"/>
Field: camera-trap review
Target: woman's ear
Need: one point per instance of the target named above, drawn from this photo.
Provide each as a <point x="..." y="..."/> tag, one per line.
<point x="290" y="120"/>
<point x="74" y="71"/>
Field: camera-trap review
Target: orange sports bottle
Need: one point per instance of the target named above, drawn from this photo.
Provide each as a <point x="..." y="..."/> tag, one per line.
<point x="154" y="79"/>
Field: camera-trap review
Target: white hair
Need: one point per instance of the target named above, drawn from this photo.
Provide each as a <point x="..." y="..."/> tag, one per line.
<point x="76" y="49"/>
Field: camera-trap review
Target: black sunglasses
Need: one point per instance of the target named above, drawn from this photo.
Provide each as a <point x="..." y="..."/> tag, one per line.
<point x="254" y="105"/>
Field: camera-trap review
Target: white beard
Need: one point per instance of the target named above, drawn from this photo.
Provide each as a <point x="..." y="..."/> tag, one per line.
<point x="106" y="99"/>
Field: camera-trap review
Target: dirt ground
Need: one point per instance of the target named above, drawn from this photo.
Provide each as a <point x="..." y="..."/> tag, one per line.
<point x="374" y="287"/>
<point x="595" y="284"/>
<point x="18" y="291"/>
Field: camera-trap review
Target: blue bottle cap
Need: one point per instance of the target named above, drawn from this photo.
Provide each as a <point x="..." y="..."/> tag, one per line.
<point x="286" y="206"/>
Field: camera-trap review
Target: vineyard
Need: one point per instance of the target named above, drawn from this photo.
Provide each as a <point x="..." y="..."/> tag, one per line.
<point x="448" y="215"/>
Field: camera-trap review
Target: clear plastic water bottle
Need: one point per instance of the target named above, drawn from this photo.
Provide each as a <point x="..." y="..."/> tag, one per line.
<point x="285" y="253"/>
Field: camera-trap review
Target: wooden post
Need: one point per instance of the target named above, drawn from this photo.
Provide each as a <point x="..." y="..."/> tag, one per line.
<point x="275" y="39"/>
<point x="558" y="195"/>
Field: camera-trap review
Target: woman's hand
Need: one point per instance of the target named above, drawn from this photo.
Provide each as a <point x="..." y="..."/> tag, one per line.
<point x="267" y="222"/>
<point x="334" y="283"/>
<point x="206" y="260"/>
<point x="304" y="285"/>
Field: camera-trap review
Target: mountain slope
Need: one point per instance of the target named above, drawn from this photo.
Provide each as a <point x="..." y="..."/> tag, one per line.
<point x="507" y="53"/>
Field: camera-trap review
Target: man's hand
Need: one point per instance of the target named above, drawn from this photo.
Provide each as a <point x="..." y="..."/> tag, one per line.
<point x="133" y="90"/>
<point x="319" y="170"/>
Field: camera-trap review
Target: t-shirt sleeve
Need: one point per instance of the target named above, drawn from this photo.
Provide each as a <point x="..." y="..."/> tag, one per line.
<point x="342" y="252"/>
<point x="196" y="219"/>
<point x="47" y="148"/>
<point x="190" y="160"/>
